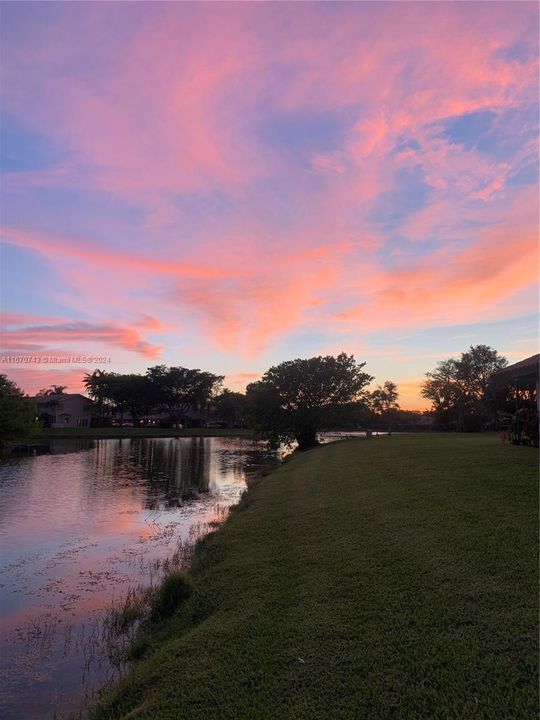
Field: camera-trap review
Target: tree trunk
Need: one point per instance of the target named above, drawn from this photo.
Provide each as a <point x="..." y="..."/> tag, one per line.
<point x="460" y="423"/>
<point x="306" y="438"/>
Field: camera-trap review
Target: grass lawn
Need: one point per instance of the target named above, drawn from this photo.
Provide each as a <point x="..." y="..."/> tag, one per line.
<point x="391" y="578"/>
<point x="114" y="432"/>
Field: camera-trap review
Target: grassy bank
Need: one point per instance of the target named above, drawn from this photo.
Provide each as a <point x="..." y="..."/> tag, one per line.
<point x="395" y="578"/>
<point x="127" y="432"/>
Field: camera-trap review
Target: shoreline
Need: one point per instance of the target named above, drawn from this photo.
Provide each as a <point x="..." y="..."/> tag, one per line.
<point x="118" y="433"/>
<point x="309" y="600"/>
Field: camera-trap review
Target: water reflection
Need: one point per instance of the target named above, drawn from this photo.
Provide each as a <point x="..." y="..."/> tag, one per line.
<point x="61" y="447"/>
<point x="80" y="527"/>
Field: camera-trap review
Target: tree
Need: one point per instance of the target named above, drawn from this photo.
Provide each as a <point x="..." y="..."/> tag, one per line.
<point x="383" y="401"/>
<point x="173" y="390"/>
<point x="97" y="386"/>
<point x="108" y="390"/>
<point x="458" y="388"/>
<point x="176" y="390"/>
<point x="17" y="413"/>
<point x="231" y="407"/>
<point x="53" y="390"/>
<point x="129" y="393"/>
<point x="295" y="399"/>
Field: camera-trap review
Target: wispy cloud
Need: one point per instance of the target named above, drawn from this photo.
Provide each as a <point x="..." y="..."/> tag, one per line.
<point x="30" y="335"/>
<point x="252" y="173"/>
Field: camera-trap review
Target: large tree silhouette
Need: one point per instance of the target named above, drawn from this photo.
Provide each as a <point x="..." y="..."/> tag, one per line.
<point x="297" y="398"/>
<point x="457" y="388"/>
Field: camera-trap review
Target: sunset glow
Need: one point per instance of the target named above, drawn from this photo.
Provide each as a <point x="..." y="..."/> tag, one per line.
<point x="229" y="185"/>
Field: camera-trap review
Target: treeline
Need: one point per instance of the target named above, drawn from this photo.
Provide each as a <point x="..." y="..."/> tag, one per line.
<point x="462" y="393"/>
<point x="297" y="398"/>
<point x="169" y="390"/>
<point x="17" y="413"/>
<point x="175" y="391"/>
<point x="293" y="400"/>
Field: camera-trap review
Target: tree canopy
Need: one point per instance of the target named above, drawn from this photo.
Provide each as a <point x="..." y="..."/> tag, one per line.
<point x="383" y="402"/>
<point x="231" y="407"/>
<point x="123" y="392"/>
<point x="294" y="399"/>
<point x="173" y="390"/>
<point x="53" y="390"/>
<point x="17" y="413"/>
<point x="458" y="388"/>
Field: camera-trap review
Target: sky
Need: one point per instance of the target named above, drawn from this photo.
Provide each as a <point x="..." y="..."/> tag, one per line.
<point x="229" y="185"/>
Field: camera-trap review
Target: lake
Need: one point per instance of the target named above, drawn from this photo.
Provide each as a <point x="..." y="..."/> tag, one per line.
<point x="81" y="528"/>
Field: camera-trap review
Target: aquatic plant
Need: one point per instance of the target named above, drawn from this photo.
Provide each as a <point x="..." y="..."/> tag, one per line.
<point x="175" y="589"/>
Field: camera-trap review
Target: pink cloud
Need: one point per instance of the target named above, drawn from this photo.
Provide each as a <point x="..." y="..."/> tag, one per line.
<point x="90" y="252"/>
<point x="174" y="112"/>
<point x="44" y="337"/>
<point x="449" y="286"/>
<point x="270" y="294"/>
<point x="329" y="162"/>
<point x="177" y="116"/>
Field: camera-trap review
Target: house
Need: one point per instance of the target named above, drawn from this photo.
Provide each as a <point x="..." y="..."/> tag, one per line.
<point x="523" y="378"/>
<point x="187" y="419"/>
<point x="66" y="410"/>
<point x="524" y="375"/>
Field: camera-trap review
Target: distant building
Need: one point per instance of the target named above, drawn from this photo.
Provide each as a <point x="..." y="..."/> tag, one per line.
<point x="523" y="380"/>
<point x="188" y="419"/>
<point x="63" y="411"/>
<point x="523" y="376"/>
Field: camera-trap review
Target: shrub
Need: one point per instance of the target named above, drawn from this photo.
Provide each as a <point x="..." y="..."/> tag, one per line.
<point x="138" y="648"/>
<point x="124" y="617"/>
<point x="175" y="589"/>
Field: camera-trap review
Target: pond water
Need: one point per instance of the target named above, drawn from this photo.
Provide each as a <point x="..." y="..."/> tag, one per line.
<point x="80" y="528"/>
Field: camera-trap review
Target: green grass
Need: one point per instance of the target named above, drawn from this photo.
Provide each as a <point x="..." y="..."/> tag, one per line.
<point x="395" y="578"/>
<point x="114" y="432"/>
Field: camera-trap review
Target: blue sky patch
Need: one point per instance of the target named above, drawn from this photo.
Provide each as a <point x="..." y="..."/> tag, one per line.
<point x="468" y="130"/>
<point x="22" y="149"/>
<point x="308" y="131"/>
<point x="411" y="192"/>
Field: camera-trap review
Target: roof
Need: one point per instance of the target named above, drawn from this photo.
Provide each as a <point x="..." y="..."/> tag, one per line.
<point x="528" y="368"/>
<point x="59" y="397"/>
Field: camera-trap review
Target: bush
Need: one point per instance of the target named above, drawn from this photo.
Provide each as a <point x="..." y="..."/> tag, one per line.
<point x="97" y="422"/>
<point x="175" y="590"/>
<point x="17" y="413"/>
<point x="138" y="648"/>
<point x="124" y="617"/>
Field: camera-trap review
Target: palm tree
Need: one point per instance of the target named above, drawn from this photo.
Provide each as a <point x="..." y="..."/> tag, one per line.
<point x="53" y="390"/>
<point x="95" y="384"/>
